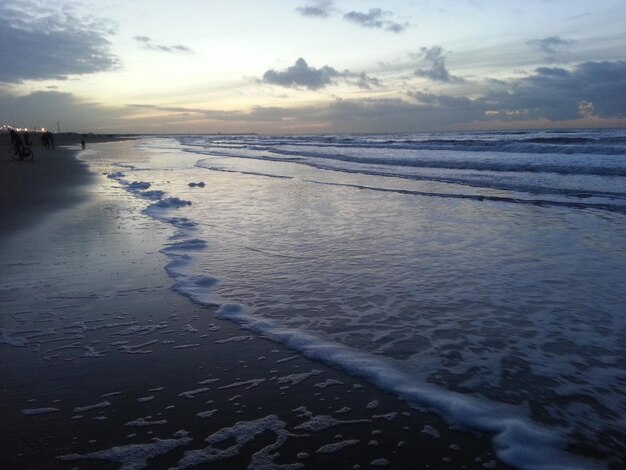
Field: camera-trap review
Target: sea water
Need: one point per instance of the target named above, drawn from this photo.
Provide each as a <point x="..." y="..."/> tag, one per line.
<point x="479" y="275"/>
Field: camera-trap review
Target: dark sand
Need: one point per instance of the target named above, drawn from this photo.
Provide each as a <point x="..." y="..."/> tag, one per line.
<point x="32" y="189"/>
<point x="87" y="318"/>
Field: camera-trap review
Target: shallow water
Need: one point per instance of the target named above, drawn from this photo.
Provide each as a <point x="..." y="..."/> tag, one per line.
<point x="462" y="271"/>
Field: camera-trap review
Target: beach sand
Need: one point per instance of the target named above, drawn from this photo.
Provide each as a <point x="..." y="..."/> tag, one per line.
<point x="104" y="366"/>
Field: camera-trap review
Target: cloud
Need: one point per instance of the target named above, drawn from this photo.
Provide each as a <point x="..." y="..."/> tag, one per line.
<point x="555" y="94"/>
<point x="364" y="81"/>
<point x="46" y="108"/>
<point x="184" y="111"/>
<point x="302" y="75"/>
<point x="319" y="9"/>
<point x="52" y="44"/>
<point x="555" y="48"/>
<point x="375" y="18"/>
<point x="552" y="44"/>
<point x="589" y="93"/>
<point x="438" y="72"/>
<point x="146" y="43"/>
<point x="371" y="19"/>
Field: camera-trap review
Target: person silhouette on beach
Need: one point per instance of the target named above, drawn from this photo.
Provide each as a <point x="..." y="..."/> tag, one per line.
<point x="14" y="136"/>
<point x="18" y="144"/>
<point x="27" y="139"/>
<point x="82" y="142"/>
<point x="47" y="140"/>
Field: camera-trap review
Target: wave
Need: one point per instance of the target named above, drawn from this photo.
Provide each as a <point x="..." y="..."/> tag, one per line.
<point x="566" y="142"/>
<point x="534" y="189"/>
<point x="517" y="439"/>
<point x="460" y="164"/>
<point x="562" y="140"/>
<point x="479" y="197"/>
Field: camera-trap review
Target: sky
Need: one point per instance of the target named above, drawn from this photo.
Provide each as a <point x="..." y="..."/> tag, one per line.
<point x="312" y="66"/>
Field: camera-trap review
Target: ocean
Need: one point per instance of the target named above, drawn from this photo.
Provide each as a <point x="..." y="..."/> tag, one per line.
<point x="480" y="275"/>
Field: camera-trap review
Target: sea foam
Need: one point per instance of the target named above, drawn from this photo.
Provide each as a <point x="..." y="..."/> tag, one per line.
<point x="518" y="440"/>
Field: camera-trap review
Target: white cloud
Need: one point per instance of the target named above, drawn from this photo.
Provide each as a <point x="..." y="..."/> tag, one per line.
<point x="146" y="43"/>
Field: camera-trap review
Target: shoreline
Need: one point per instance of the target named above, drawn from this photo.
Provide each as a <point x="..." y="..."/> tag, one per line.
<point x="52" y="181"/>
<point x="89" y="318"/>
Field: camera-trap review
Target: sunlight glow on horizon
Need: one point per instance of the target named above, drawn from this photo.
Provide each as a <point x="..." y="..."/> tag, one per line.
<point x="236" y="62"/>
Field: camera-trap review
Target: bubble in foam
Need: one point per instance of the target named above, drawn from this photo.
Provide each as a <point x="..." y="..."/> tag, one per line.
<point x="248" y="383"/>
<point x="388" y="417"/>
<point x="138" y="185"/>
<point x="185" y="245"/>
<point x="328" y="383"/>
<point x="428" y="429"/>
<point x="322" y="422"/>
<point x="153" y="195"/>
<point x="206" y="414"/>
<point x="136" y="349"/>
<point x="235" y="339"/>
<point x="191" y="394"/>
<point x="337" y="446"/>
<point x="141" y="329"/>
<point x="135" y="456"/>
<point x="380" y="462"/>
<point x="39" y="411"/>
<point x="102" y="404"/>
<point x="242" y="433"/>
<point x="142" y="422"/>
<point x="295" y="379"/>
<point x="169" y="203"/>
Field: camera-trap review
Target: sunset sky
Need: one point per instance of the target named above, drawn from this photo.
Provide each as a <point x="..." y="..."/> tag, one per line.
<point x="322" y="66"/>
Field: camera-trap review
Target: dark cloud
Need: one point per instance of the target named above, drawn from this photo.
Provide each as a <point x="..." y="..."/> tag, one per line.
<point x="371" y="19"/>
<point x="375" y="18"/>
<point x="552" y="44"/>
<point x="360" y="115"/>
<point x="434" y="56"/>
<point x="364" y="81"/>
<point x="46" y="108"/>
<point x="320" y="9"/>
<point x="592" y="89"/>
<point x="146" y="43"/>
<point x="51" y="44"/>
<point x="394" y="27"/>
<point x="302" y="75"/>
<point x="589" y="90"/>
<point x="555" y="94"/>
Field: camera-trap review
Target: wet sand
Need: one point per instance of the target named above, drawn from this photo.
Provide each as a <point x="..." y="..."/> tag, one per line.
<point x="30" y="190"/>
<point x="104" y="366"/>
